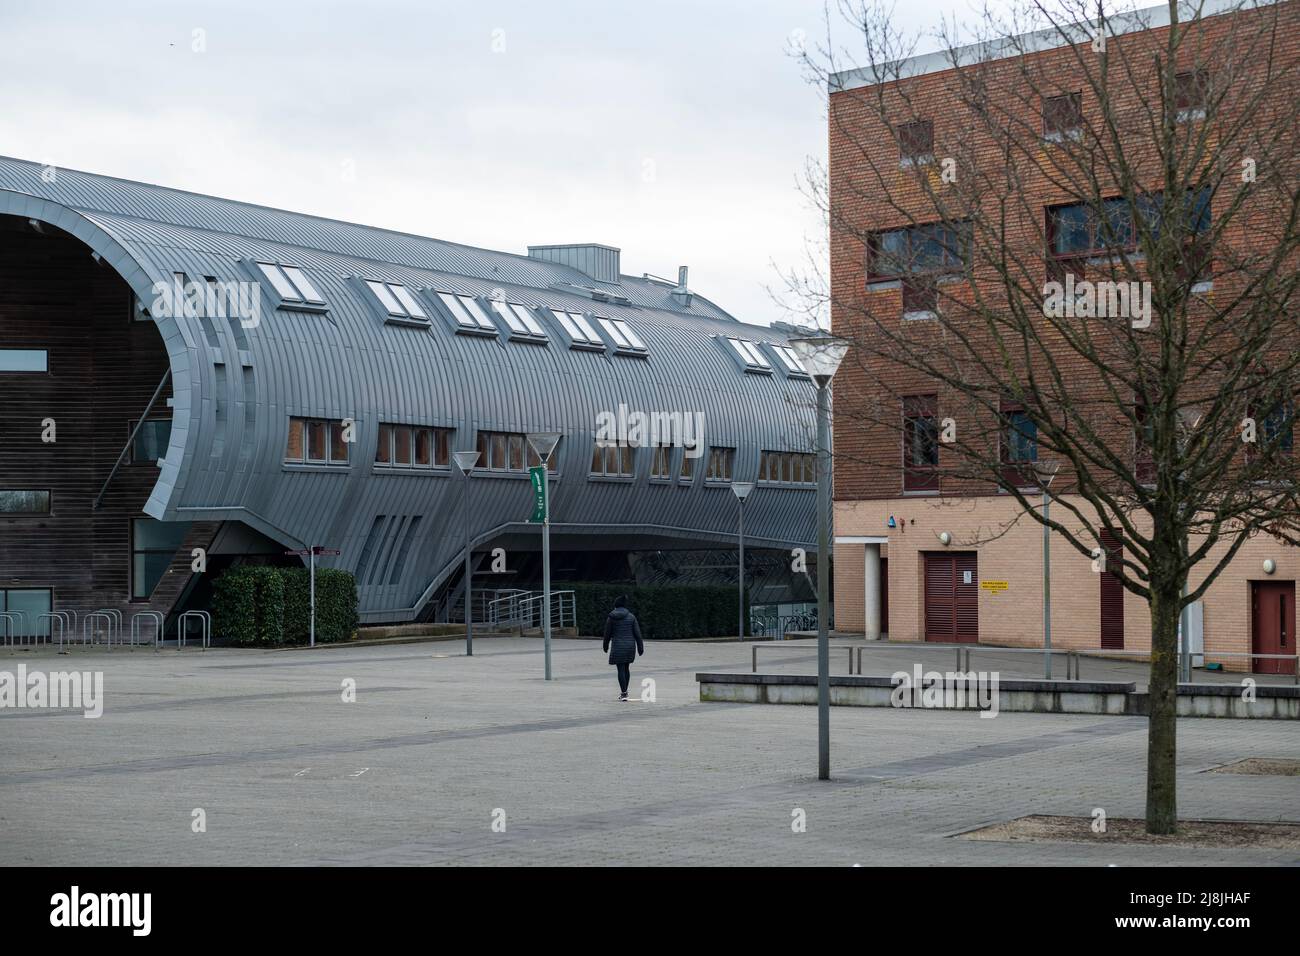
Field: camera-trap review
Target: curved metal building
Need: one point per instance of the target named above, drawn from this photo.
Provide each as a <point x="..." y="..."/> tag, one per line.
<point x="319" y="379"/>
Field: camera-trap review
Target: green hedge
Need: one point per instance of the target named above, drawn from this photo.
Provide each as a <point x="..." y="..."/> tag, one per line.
<point x="665" y="612"/>
<point x="264" y="606"/>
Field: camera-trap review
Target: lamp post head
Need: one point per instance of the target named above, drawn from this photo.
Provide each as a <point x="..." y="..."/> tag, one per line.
<point x="465" y="461"/>
<point x="542" y="444"/>
<point x="1045" y="471"/>
<point x="820" y="355"/>
<point x="741" y="489"/>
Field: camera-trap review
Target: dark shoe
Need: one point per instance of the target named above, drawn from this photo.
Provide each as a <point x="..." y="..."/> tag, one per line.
<point x="622" y="696"/>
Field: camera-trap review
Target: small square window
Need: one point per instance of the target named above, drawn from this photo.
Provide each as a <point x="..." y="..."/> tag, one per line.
<point x="916" y="142"/>
<point x="1062" y="116"/>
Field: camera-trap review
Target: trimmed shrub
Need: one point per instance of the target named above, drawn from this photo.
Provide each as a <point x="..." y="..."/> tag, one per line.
<point x="266" y="606"/>
<point x="666" y="612"/>
<point x="248" y="606"/>
<point x="336" y="605"/>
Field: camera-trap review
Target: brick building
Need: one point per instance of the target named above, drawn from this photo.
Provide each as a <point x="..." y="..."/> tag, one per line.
<point x="924" y="554"/>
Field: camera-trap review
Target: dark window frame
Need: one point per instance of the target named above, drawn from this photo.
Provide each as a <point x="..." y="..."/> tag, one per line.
<point x="915" y="142"/>
<point x="917" y="409"/>
<point x="331" y="426"/>
<point x="49" y="503"/>
<point x="1062" y="116"/>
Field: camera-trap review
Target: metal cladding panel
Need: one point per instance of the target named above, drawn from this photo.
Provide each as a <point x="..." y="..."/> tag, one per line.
<point x="238" y="386"/>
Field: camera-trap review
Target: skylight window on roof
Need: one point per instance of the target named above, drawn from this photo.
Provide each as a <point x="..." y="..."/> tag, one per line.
<point x="398" y="301"/>
<point x="467" y="312"/>
<point x="577" y="327"/>
<point x="303" y="285"/>
<point x="409" y="301"/>
<point x="789" y="359"/>
<point x="519" y="318"/>
<point x="750" y="355"/>
<point x="290" y="284"/>
<point x="624" y="338"/>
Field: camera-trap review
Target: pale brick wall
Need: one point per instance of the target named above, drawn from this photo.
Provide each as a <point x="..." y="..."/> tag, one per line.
<point x="1011" y="550"/>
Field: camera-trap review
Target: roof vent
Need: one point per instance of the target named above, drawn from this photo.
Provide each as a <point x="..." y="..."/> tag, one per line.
<point x="590" y="258"/>
<point x="682" y="294"/>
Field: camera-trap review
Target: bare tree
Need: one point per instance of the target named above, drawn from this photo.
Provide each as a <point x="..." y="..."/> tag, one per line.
<point x="1092" y="228"/>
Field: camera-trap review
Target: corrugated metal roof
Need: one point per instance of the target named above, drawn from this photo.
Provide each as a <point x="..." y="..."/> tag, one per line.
<point x="235" y="388"/>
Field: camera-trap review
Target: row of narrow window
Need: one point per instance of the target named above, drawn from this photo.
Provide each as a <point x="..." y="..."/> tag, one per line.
<point x="327" y="442"/>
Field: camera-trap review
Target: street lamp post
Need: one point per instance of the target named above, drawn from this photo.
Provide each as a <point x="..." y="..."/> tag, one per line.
<point x="821" y="356"/>
<point x="1045" y="472"/>
<point x="543" y="444"/>
<point x="741" y="489"/>
<point x="465" y="461"/>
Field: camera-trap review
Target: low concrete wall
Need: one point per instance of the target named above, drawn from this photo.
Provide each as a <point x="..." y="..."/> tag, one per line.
<point x="1014" y="696"/>
<point x="1036" y="696"/>
<point x="1272" y="702"/>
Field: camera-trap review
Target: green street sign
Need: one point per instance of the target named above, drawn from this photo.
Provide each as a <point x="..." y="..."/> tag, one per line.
<point x="538" y="476"/>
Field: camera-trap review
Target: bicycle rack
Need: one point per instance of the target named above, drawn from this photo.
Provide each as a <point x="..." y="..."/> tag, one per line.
<point x="51" y="616"/>
<point x="182" y="626"/>
<point x="10" y="618"/>
<point x="116" y="615"/>
<point x="69" y="619"/>
<point x="154" y="616"/>
<point x="22" y="619"/>
<point x="97" y="616"/>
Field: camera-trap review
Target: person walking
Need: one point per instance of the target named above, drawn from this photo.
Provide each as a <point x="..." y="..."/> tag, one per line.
<point x="623" y="641"/>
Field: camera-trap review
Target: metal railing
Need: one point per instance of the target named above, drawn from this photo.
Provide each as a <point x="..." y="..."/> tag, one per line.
<point x="1073" y="656"/>
<point x="776" y="626"/>
<point x="503" y="611"/>
<point x="794" y="647"/>
<point x="563" y="610"/>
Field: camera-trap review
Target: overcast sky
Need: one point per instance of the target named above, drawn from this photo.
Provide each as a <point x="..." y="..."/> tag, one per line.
<point x="674" y="130"/>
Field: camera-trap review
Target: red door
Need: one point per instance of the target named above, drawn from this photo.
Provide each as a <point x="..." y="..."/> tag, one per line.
<point x="951" y="597"/>
<point x="1112" y="596"/>
<point x="1272" y="613"/>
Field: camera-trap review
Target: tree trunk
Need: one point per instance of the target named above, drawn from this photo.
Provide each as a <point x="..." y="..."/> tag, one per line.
<point x="1162" y="730"/>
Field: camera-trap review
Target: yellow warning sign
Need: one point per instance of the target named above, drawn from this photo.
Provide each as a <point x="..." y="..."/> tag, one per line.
<point x="994" y="586"/>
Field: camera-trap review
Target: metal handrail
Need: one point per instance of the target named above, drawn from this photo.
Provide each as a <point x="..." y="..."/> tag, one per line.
<point x="510" y="600"/>
<point x="155" y="616"/>
<point x="182" y="626"/>
<point x="529" y="609"/>
<point x="753" y="667"/>
<point x="1295" y="677"/>
<point x="964" y="650"/>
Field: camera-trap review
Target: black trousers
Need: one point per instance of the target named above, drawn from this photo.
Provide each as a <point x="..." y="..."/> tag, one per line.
<point x="624" y="676"/>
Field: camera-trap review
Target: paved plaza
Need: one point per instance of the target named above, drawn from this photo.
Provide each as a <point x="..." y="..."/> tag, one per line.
<point x="436" y="746"/>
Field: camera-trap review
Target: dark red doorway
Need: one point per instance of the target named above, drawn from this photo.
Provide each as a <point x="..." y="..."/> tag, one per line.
<point x="1272" y="625"/>
<point x="952" y="597"/>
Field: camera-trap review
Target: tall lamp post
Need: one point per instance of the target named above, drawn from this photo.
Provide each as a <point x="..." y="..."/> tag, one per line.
<point x="741" y="490"/>
<point x="543" y="444"/>
<point x="821" y="356"/>
<point x="465" y="461"/>
<point x="1045" y="472"/>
